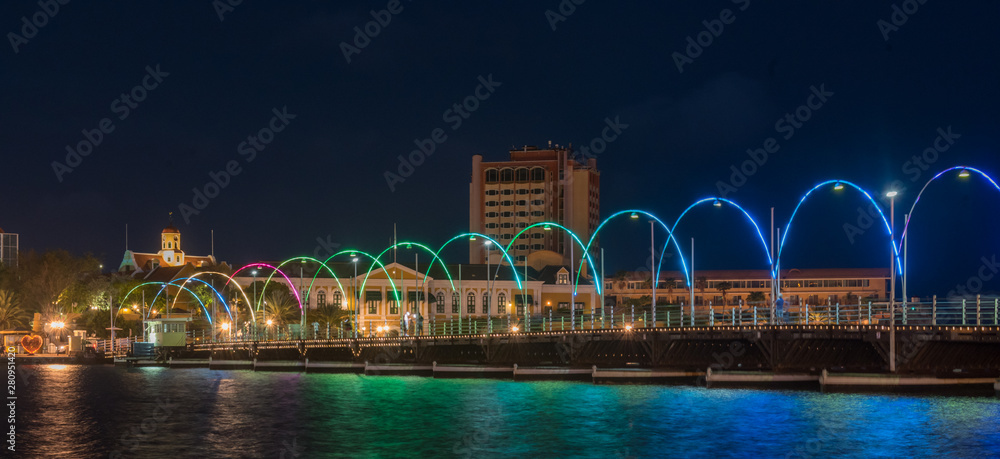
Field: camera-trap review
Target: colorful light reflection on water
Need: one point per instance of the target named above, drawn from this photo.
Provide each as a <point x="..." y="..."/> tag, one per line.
<point x="81" y="411"/>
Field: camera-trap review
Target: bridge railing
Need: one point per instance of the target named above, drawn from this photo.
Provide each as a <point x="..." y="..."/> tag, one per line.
<point x="976" y="311"/>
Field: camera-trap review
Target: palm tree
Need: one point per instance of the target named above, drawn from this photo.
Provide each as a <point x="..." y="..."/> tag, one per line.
<point x="756" y="297"/>
<point x="701" y="283"/>
<point x="671" y="284"/>
<point x="329" y="315"/>
<point x="12" y="316"/>
<point x="280" y="307"/>
<point x="724" y="287"/>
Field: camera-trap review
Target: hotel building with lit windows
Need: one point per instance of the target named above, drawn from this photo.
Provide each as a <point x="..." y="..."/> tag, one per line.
<point x="535" y="185"/>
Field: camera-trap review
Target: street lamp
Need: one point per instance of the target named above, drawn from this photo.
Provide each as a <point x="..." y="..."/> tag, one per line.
<point x="252" y="306"/>
<point x="489" y="286"/>
<point x="653" y="274"/>
<point x="892" y="289"/>
<point x="354" y="327"/>
<point x="838" y="186"/>
<point x="964" y="173"/>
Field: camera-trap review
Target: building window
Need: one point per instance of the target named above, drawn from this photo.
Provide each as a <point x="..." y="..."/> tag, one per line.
<point x="492" y="215"/>
<point x="491" y="176"/>
<point x="440" y="303"/>
<point x="507" y="203"/>
<point x="522" y="191"/>
<point x="507" y="175"/>
<point x="393" y="305"/>
<point x="492" y="225"/>
<point x="538" y="213"/>
<point x="492" y="192"/>
<point x="471" y="303"/>
<point x="491" y="203"/>
<point x="372" y="306"/>
<point x="562" y="279"/>
<point x="522" y="174"/>
<point x="501" y="303"/>
<point x="338" y="299"/>
<point x="507" y="214"/>
<point x="507" y="192"/>
<point x="455" y="306"/>
<point x="537" y="174"/>
<point x="486" y="303"/>
<point x="321" y="298"/>
<point x="538" y="190"/>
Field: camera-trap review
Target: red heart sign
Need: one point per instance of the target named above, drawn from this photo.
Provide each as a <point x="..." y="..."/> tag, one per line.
<point x="31" y="343"/>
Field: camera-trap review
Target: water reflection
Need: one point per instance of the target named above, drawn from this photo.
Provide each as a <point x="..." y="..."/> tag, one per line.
<point x="80" y="411"/>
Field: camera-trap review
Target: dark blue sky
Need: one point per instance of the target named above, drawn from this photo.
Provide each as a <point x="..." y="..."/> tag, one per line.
<point x="322" y="176"/>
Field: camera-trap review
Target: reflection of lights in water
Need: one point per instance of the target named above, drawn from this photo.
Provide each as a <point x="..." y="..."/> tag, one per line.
<point x="57" y="367"/>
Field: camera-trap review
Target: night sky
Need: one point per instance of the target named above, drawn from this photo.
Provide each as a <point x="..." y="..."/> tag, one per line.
<point x="211" y="82"/>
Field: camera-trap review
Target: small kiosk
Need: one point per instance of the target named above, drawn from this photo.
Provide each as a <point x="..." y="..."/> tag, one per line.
<point x="167" y="332"/>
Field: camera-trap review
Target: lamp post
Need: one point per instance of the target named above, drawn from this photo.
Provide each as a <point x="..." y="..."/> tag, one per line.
<point x="354" y="327"/>
<point x="652" y="270"/>
<point x="892" y="283"/>
<point x="489" y="286"/>
<point x="251" y="306"/>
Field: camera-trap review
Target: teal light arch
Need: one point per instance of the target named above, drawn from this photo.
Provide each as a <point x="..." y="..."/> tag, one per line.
<point x="510" y="260"/>
<point x="579" y="242"/>
<point x="408" y="243"/>
<point x="593" y="237"/>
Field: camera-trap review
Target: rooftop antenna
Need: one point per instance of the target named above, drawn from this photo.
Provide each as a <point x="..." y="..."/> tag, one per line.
<point x="126" y="237"/>
<point x="213" y="243"/>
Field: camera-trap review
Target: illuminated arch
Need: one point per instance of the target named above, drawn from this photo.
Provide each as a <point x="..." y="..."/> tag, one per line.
<point x="407" y="243"/>
<point x="906" y="226"/>
<point x="238" y="288"/>
<point x="391" y="283"/>
<point x="311" y="282"/>
<point x="630" y="211"/>
<point x="688" y="276"/>
<point x="575" y="238"/>
<point x="192" y="278"/>
<point x="265" y="265"/>
<point x="513" y="267"/>
<point x="163" y="286"/>
<point x="888" y="228"/>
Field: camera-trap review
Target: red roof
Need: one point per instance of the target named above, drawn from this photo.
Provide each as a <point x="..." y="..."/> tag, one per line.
<point x="171" y="229"/>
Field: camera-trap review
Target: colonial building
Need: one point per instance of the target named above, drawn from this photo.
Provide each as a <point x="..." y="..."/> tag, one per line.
<point x="740" y="287"/>
<point x="169" y="255"/>
<point x="535" y="185"/>
<point x="440" y="293"/>
<point x="169" y="265"/>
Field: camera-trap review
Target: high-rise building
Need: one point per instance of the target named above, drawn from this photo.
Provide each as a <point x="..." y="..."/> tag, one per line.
<point x="8" y="249"/>
<point x="535" y="185"/>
